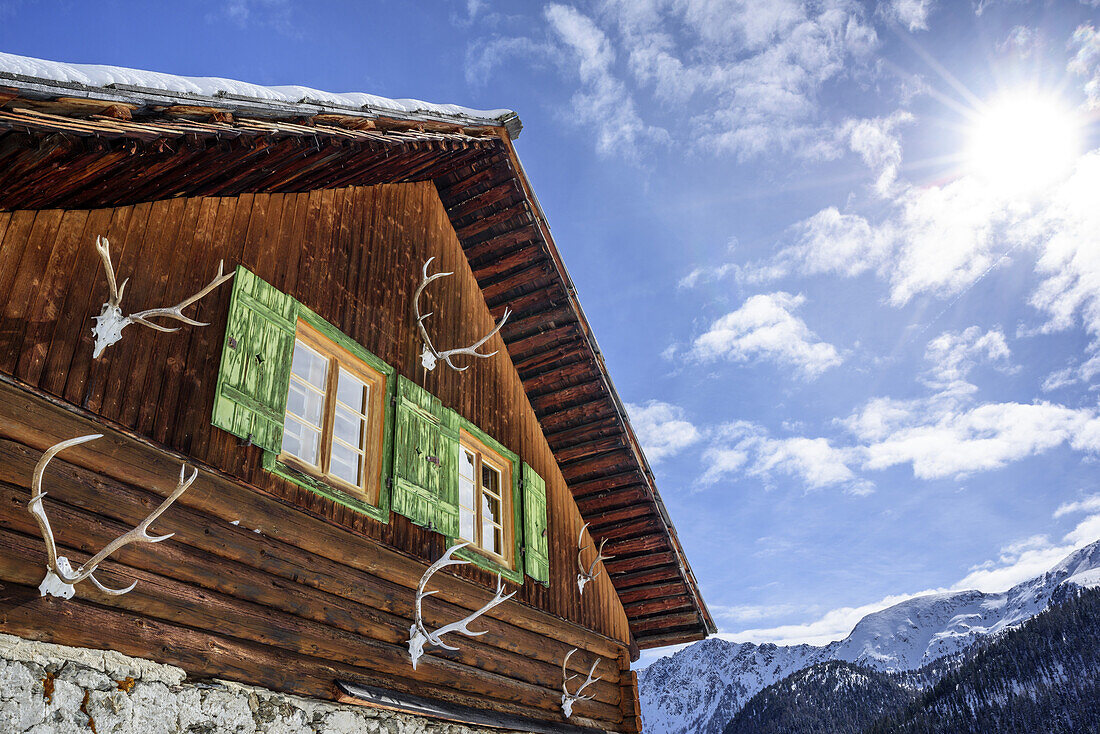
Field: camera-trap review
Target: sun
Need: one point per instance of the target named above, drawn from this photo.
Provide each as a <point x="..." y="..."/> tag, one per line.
<point x="1023" y="142"/>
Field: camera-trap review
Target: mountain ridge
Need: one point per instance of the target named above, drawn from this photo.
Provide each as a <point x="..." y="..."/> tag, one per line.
<point x="700" y="688"/>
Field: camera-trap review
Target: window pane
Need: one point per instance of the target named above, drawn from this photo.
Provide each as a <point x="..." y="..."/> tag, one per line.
<point x="304" y="402"/>
<point x="490" y="509"/>
<point x="300" y="440"/>
<point x="490" y="479"/>
<point x="466" y="493"/>
<point x="348" y="427"/>
<point x="466" y="467"/>
<point x="345" y="464"/>
<point x="351" y="391"/>
<point x="309" y="365"/>
<point x="465" y="523"/>
<point x="491" y="538"/>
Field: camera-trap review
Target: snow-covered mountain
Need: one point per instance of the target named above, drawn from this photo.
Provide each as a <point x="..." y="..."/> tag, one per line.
<point x="701" y="687"/>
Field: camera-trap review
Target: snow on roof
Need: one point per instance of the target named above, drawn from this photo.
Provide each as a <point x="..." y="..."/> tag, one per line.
<point x="123" y="84"/>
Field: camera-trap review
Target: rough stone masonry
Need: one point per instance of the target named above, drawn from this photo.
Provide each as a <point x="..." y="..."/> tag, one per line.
<point x="53" y="689"/>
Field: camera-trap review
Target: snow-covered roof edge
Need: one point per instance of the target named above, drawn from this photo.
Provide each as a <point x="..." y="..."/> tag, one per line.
<point x="137" y="87"/>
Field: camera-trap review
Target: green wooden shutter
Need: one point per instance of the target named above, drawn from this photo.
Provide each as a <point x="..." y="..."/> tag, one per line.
<point x="425" y="456"/>
<point x="251" y="393"/>
<point x="536" y="554"/>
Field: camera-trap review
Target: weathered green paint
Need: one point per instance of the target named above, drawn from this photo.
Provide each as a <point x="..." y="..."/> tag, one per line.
<point x="251" y="392"/>
<point x="514" y="575"/>
<point x="424" y="460"/>
<point x="536" y="556"/>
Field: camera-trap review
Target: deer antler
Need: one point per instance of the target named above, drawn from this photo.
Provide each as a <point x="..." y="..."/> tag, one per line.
<point x="430" y="356"/>
<point x="567" y="698"/>
<point x="60" y="577"/>
<point x="419" y="634"/>
<point x="111" y="322"/>
<point x="583" y="576"/>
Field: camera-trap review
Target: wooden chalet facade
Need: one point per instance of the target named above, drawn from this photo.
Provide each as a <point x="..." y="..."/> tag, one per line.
<point x="297" y="554"/>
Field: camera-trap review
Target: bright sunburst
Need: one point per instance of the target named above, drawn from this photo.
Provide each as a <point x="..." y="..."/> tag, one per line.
<point x="1022" y="142"/>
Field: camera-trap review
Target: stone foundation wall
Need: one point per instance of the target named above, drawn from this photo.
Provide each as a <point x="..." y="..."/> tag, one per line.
<point x="52" y="689"/>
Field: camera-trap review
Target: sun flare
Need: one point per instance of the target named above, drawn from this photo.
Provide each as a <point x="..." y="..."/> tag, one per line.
<point x="1020" y="143"/>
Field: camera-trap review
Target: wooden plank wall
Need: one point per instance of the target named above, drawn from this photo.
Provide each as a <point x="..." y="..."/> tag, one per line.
<point x="352" y="255"/>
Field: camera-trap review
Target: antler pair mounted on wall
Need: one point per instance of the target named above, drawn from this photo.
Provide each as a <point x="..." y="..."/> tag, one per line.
<point x="584" y="576"/>
<point x="567" y="698"/>
<point x="110" y="322"/>
<point x="60" y="576"/>
<point x="419" y="633"/>
<point x="430" y="356"/>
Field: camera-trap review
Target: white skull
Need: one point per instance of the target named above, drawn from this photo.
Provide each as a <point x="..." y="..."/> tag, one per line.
<point x="428" y="359"/>
<point x="416" y="644"/>
<point x="52" y="585"/>
<point x="108" y="328"/>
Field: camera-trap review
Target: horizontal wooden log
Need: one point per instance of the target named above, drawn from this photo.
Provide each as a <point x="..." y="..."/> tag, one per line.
<point x="534" y="322"/>
<point x="625" y="582"/>
<point x="653" y="591"/>
<point x="639" y="561"/>
<point x="662" y="622"/>
<point x="621" y="531"/>
<point x="601" y="503"/>
<point x="459" y="208"/>
<point x="607" y="483"/>
<point x="643" y="608"/>
<point x="605" y="518"/>
<point x="664" y="639"/>
<point x="571" y="395"/>
<point x="587" y="467"/>
<point x="645" y="544"/>
<point x="582" y="451"/>
<point x="520" y="213"/>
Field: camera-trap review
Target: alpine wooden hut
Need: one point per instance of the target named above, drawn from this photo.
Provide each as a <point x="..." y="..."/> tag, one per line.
<point x="242" y="290"/>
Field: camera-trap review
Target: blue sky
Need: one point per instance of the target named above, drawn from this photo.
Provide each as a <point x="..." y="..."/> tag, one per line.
<point x="843" y="258"/>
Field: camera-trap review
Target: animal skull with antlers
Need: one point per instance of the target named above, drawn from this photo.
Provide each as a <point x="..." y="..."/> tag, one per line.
<point x="60" y="576"/>
<point x="430" y="356"/>
<point x="567" y="698"/>
<point x="110" y="322"/>
<point x="583" y="576"/>
<point x="419" y="634"/>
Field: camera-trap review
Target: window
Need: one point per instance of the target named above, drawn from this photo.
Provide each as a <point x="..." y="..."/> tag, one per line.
<point x="333" y="423"/>
<point x="485" y="499"/>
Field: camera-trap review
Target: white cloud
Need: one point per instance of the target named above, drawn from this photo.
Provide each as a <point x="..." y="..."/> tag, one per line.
<point x="751" y="612"/>
<point x="662" y="428"/>
<point x="940" y="442"/>
<point x="877" y="143"/>
<point x="483" y="57"/>
<point x="913" y="14"/>
<point x="1075" y="373"/>
<point x="603" y="101"/>
<point x="746" y="448"/>
<point x="766" y="328"/>
<point x="1070" y="259"/>
<point x="733" y="76"/>
<point x="1085" y="43"/>
<point x="835" y="624"/>
<point x="706" y="274"/>
<point x="1090" y="503"/>
<point x="953" y="354"/>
